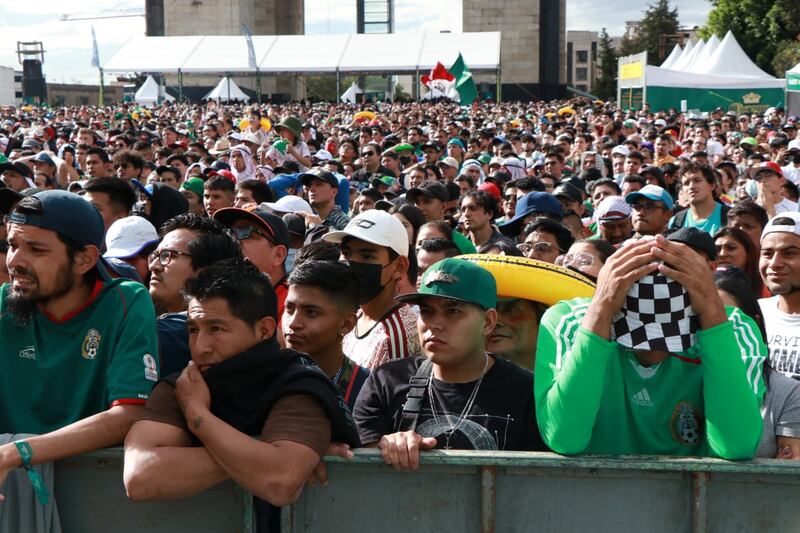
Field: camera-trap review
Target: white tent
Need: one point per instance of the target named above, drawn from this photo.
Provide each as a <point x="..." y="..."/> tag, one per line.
<point x="226" y="90"/>
<point x="147" y="94"/>
<point x="696" y="51"/>
<point x="700" y="63"/>
<point x="681" y="61"/>
<point x="672" y="57"/>
<point x="151" y="93"/>
<point x="793" y="91"/>
<point x="349" y="96"/>
<point x="302" y="54"/>
<point x="730" y="60"/>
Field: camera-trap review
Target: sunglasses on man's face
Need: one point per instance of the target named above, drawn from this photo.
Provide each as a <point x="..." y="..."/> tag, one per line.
<point x="367" y="154"/>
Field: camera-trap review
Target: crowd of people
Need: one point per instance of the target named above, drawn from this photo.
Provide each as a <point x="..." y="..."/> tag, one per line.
<point x="183" y="277"/>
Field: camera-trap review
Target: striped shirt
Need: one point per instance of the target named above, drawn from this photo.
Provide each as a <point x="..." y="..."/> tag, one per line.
<point x="394" y="337"/>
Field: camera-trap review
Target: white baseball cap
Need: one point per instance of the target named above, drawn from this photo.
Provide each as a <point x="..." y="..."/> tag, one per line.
<point x="449" y="161"/>
<point x="288" y="204"/>
<point x="788" y="222"/>
<point x="612" y="208"/>
<point x="323" y="155"/>
<point x="376" y="227"/>
<point x="128" y="237"/>
<point x="621" y="149"/>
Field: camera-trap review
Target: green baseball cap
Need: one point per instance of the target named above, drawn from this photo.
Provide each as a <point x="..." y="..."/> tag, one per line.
<point x="194" y="185"/>
<point x="457" y="279"/>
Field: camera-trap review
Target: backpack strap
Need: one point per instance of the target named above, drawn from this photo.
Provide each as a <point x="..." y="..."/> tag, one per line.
<point x="416" y="393"/>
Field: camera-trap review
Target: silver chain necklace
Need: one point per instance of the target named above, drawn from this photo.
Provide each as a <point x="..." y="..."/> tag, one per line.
<point x="464" y="413"/>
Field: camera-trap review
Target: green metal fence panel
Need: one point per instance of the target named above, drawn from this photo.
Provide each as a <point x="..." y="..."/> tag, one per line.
<point x="91" y="499"/>
<point x="509" y="492"/>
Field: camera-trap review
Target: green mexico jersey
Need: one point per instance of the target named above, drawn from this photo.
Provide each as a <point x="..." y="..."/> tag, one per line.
<point x="593" y="396"/>
<point x="53" y="373"/>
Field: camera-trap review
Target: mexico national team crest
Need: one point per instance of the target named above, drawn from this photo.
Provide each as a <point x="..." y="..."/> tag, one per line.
<point x="686" y="424"/>
<point x="150" y="372"/>
<point x="91" y="343"/>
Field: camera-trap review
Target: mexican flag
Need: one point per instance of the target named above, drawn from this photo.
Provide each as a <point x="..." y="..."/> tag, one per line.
<point x="455" y="83"/>
<point x="465" y="85"/>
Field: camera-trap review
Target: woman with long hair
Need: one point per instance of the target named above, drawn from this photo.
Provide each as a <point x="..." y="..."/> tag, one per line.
<point x="735" y="248"/>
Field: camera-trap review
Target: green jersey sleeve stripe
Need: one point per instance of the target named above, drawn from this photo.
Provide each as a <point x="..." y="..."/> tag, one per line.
<point x="565" y="331"/>
<point x="750" y="347"/>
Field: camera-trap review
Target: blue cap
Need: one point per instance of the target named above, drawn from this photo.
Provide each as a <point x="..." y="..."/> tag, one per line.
<point x="42" y="157"/>
<point x="281" y="184"/>
<point x="146" y="189"/>
<point x="533" y="202"/>
<point x="651" y="192"/>
<point x="65" y="213"/>
<point x="457" y="141"/>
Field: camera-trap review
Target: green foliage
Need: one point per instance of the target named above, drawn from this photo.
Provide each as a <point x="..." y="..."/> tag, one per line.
<point x="787" y="55"/>
<point x="605" y="86"/>
<point x="323" y="87"/>
<point x="763" y="28"/>
<point x="400" y="93"/>
<point x="659" y="19"/>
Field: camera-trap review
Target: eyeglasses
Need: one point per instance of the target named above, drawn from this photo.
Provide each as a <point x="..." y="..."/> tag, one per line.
<point x="578" y="260"/>
<point x="539" y="247"/>
<point x="243" y="233"/>
<point x="367" y="154"/>
<point x="647" y="207"/>
<point x="165" y="256"/>
<point x="510" y="198"/>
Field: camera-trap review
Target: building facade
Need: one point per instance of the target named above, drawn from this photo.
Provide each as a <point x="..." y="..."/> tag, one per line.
<point x="582" y="59"/>
<point x="533" y="46"/>
<point x="226" y="17"/>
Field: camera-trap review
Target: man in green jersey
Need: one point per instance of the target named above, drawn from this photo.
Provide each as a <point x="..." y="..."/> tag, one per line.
<point x="79" y="351"/>
<point x="690" y="385"/>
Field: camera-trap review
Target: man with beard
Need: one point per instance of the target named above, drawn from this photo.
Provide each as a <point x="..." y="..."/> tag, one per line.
<point x="79" y="353"/>
<point x="780" y="269"/>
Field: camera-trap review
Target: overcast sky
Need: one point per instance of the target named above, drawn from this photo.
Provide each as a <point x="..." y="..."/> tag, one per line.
<point x="68" y="44"/>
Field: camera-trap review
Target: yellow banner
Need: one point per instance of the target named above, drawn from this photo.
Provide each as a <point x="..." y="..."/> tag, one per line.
<point x="631" y="70"/>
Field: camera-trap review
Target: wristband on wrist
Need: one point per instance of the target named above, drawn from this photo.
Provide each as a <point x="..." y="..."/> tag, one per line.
<point x="26" y="453"/>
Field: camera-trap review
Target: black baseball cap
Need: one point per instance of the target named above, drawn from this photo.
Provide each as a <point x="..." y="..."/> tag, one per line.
<point x="319" y="174"/>
<point x="568" y="191"/>
<point x="695" y="238"/>
<point x="431" y="189"/>
<point x="274" y="224"/>
<point x="19" y="168"/>
<point x="68" y="214"/>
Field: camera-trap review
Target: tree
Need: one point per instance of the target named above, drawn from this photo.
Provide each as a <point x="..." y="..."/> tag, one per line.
<point x="606" y="84"/>
<point x="323" y="86"/>
<point x="764" y="28"/>
<point x="787" y="55"/>
<point x="659" y="19"/>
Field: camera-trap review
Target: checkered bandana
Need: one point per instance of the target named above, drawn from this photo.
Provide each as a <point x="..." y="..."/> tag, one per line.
<point x="656" y="315"/>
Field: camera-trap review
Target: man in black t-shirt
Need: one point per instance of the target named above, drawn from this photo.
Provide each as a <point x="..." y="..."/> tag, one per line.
<point x="469" y="399"/>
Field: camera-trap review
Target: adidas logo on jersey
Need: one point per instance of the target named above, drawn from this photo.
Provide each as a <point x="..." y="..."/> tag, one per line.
<point x="642" y="398"/>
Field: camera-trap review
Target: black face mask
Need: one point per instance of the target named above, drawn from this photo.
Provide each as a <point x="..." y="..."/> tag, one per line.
<point x="369" y="280"/>
<point x="584" y="274"/>
<point x="405" y="160"/>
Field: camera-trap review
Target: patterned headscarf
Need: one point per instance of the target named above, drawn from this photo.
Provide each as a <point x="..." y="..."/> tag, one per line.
<point x="249" y="165"/>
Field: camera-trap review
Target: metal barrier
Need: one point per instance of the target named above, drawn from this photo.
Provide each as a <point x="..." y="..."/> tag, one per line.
<point x="468" y="491"/>
<point x="91" y="499"/>
<point x="463" y="491"/>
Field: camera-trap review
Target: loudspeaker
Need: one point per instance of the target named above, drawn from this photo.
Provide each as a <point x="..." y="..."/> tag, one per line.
<point x="34" y="85"/>
<point x="32" y="68"/>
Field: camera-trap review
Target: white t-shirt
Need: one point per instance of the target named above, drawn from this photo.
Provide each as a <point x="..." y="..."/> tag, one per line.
<point x="714" y="148"/>
<point x="791" y="173"/>
<point x="783" y="337"/>
<point x="785" y="205"/>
